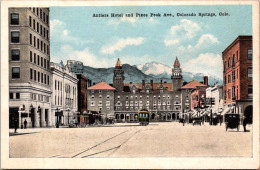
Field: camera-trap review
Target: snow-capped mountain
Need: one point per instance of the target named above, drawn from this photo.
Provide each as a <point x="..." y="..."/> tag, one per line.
<point x="158" y="70"/>
<point x="149" y="71"/>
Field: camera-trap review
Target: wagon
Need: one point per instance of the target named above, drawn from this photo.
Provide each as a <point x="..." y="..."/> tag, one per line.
<point x="232" y="121"/>
<point x="197" y="121"/>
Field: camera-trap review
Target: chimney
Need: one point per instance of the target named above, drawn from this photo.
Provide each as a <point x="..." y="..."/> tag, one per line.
<point x="143" y="84"/>
<point x="151" y="82"/>
<point x="205" y="80"/>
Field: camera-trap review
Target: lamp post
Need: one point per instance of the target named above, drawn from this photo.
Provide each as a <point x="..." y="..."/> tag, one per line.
<point x="68" y="110"/>
<point x="57" y="123"/>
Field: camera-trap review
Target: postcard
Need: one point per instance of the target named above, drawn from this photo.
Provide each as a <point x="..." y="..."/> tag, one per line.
<point x="119" y="84"/>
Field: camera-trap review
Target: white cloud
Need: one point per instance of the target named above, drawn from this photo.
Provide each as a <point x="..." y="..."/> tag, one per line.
<point x="116" y="21"/>
<point x="56" y="25"/>
<point x="207" y="63"/>
<point x="153" y="21"/>
<point x="65" y="32"/>
<point x="206" y="40"/>
<point x="58" y="29"/>
<point x="121" y="44"/>
<point x="171" y="42"/>
<point x="186" y="30"/>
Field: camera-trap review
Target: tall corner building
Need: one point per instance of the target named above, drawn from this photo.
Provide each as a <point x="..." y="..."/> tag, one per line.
<point x="29" y="67"/>
<point x="237" y="75"/>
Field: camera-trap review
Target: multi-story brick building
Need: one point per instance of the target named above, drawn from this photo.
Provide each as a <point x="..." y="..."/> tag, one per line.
<point x="198" y="94"/>
<point x="163" y="100"/>
<point x="29" y="72"/>
<point x="101" y="100"/>
<point x="64" y="104"/>
<point x="237" y="76"/>
<point x="83" y="84"/>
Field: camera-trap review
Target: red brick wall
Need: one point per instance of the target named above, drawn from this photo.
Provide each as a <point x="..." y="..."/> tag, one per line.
<point x="239" y="48"/>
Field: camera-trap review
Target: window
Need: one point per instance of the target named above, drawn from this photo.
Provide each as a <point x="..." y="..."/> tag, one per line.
<point x="229" y="62"/>
<point x="41" y="29"/>
<point x="16" y="72"/>
<point x="41" y="62"/>
<point x="233" y="60"/>
<point x="44" y="47"/>
<point x="44" y="78"/>
<point x="48" y="80"/>
<point x="41" y="45"/>
<point x="233" y="92"/>
<point x="14" y="19"/>
<point x="15" y="36"/>
<point x="250" y="91"/>
<point x="40" y="13"/>
<point x="37" y="11"/>
<point x="31" y="58"/>
<point x="39" y="76"/>
<point x="31" y="39"/>
<point x="34" y="58"/>
<point x="225" y="80"/>
<point x="44" y="63"/>
<point x="237" y="73"/>
<point x="47" y="19"/>
<point x="43" y="16"/>
<point x="38" y="27"/>
<point x="34" y="24"/>
<point x="100" y="91"/>
<point x="31" y="73"/>
<point x="17" y="96"/>
<point x="11" y="95"/>
<point x="229" y="79"/>
<point x="225" y="65"/>
<point x="34" y="41"/>
<point x="38" y="43"/>
<point x="250" y="54"/>
<point x="15" y="55"/>
<point x="108" y="96"/>
<point x="47" y="34"/>
<point x="34" y="75"/>
<point x="249" y="72"/>
<point x="92" y="103"/>
<point x="44" y="32"/>
<point x="233" y="75"/>
<point x="100" y="96"/>
<point x="33" y="10"/>
<point x="38" y="60"/>
<point x="30" y="21"/>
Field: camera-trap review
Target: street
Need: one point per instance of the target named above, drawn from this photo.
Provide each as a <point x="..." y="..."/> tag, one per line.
<point x="158" y="139"/>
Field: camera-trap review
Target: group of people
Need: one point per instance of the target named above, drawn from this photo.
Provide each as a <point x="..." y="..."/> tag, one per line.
<point x="16" y="124"/>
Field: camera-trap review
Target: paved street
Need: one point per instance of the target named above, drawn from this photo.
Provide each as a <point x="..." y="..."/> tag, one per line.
<point x="167" y="139"/>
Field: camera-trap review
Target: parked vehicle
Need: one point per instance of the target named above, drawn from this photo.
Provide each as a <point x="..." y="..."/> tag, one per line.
<point x="143" y="117"/>
<point x="197" y="121"/>
<point x="232" y="121"/>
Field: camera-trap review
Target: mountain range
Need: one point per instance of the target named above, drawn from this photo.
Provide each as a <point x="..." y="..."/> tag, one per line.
<point x="136" y="73"/>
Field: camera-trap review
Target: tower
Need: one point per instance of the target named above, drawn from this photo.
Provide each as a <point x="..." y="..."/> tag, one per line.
<point x="176" y="75"/>
<point x="118" y="78"/>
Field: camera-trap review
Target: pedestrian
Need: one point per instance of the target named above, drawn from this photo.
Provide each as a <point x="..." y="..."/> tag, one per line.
<point x="15" y="125"/>
<point x="244" y="123"/>
<point x="25" y="124"/>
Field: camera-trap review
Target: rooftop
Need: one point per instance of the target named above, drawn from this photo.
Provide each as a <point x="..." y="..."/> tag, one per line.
<point x="192" y="85"/>
<point x="101" y="86"/>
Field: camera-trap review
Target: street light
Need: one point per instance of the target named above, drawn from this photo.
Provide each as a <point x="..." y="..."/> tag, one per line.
<point x="68" y="114"/>
<point x="57" y="123"/>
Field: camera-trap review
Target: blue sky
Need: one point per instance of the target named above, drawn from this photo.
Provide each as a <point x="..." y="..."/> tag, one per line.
<point x="99" y="41"/>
